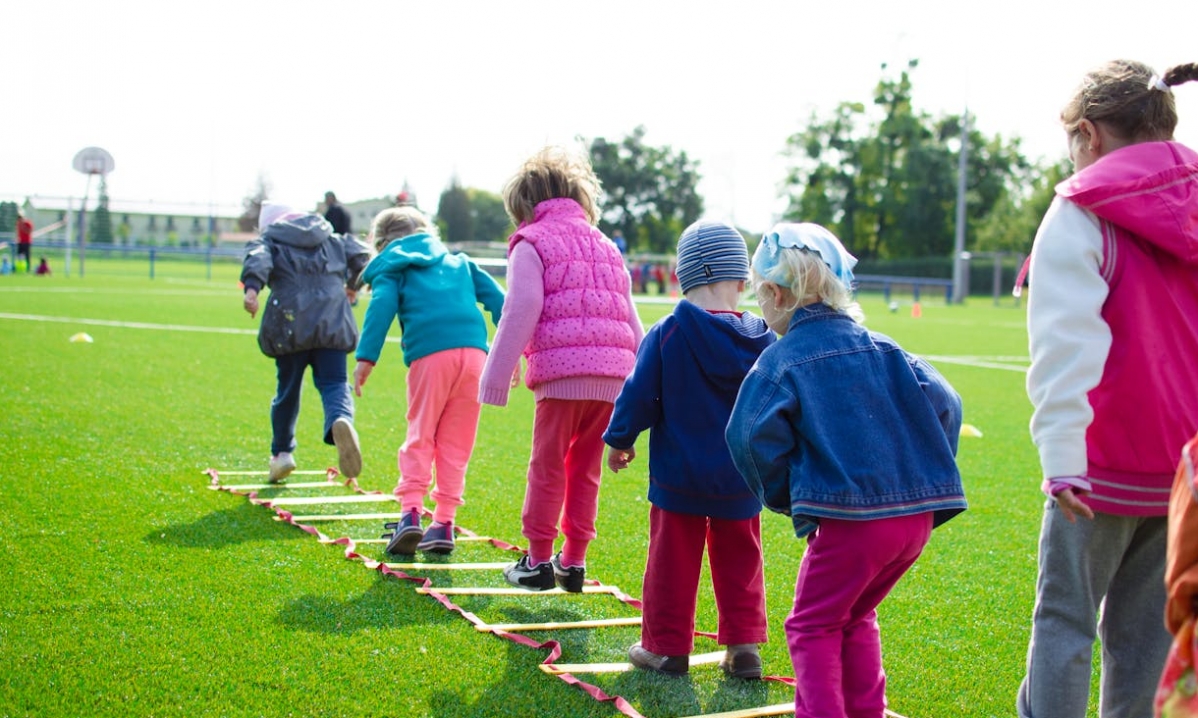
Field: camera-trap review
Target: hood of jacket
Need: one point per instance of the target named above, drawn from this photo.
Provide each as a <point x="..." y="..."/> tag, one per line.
<point x="1149" y="189"/>
<point x="725" y="349"/>
<point x="309" y="230"/>
<point x="414" y="250"/>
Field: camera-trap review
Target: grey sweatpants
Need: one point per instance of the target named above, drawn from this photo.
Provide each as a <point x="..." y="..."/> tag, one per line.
<point x="1113" y="563"/>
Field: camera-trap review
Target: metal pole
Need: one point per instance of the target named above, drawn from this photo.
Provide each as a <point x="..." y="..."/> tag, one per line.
<point x="959" y="258"/>
<point x="70" y="233"/>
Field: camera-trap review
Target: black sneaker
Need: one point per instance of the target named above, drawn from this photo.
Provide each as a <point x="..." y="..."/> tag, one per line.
<point x="407" y="533"/>
<point x="570" y="578"/>
<point x="534" y="578"/>
<point x="438" y="538"/>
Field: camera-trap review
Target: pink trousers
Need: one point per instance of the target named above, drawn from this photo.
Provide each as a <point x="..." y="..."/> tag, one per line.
<point x="442" y="417"/>
<point x="672" y="572"/>
<point x="832" y="631"/>
<point x="563" y="477"/>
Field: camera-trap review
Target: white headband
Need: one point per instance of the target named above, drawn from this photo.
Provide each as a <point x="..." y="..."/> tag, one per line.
<point x="1156" y="83"/>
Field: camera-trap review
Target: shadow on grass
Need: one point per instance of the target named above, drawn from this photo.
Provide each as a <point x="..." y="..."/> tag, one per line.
<point x="388" y="602"/>
<point x="227" y="527"/>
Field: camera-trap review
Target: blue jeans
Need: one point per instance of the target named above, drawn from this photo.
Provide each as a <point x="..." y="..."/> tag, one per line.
<point x="329" y="375"/>
<point x="1113" y="566"/>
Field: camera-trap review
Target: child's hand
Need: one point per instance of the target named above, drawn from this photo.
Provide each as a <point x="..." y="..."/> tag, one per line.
<point x="516" y="375"/>
<point x="1071" y="505"/>
<point x="250" y="302"/>
<point x="620" y="458"/>
<point x="361" y="373"/>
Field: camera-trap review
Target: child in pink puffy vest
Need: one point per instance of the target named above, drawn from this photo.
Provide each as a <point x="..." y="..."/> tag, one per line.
<point x="568" y="310"/>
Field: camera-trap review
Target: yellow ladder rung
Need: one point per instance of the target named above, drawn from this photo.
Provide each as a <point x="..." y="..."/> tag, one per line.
<point x="778" y="709"/>
<point x="555" y="669"/>
<point x="311" y="500"/>
<point x="345" y="517"/>
<point x="447" y="566"/>
<point x="507" y="591"/>
<point x="306" y="472"/>
<point x="298" y="485"/>
<point x="555" y="625"/>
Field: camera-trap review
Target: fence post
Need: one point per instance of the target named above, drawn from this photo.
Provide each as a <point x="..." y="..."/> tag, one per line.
<point x="151" y="262"/>
<point x="209" y="259"/>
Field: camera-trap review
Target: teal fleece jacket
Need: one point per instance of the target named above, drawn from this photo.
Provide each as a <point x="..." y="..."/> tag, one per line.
<point x="435" y="295"/>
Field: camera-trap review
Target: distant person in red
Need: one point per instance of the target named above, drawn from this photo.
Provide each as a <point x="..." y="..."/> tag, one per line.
<point x="24" y="238"/>
<point x="43" y="267"/>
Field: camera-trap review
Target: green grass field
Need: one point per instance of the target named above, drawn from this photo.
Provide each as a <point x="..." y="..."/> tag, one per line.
<point x="129" y="588"/>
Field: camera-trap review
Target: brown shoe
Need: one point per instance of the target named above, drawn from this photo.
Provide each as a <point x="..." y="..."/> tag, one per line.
<point x="742" y="660"/>
<point x="675" y="666"/>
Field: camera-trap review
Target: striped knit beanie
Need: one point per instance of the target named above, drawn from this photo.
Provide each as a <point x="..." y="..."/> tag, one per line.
<point x="710" y="251"/>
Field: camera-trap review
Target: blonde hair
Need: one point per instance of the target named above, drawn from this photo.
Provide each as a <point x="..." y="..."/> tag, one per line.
<point x="396" y="222"/>
<point x="552" y="173"/>
<point x="808" y="278"/>
<point x="1124" y="95"/>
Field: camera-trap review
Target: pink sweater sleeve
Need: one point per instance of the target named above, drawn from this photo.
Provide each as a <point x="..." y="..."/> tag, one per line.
<point x="521" y="312"/>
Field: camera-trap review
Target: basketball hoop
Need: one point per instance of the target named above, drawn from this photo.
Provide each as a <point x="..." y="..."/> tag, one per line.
<point x="93" y="161"/>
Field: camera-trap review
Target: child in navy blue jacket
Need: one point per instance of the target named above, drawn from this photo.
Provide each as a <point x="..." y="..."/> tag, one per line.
<point x="688" y="371"/>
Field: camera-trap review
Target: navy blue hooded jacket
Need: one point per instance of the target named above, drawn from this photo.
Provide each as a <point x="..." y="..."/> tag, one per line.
<point x="688" y="371"/>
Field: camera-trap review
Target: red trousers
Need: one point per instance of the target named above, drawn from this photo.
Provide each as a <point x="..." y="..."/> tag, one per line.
<point x="676" y="543"/>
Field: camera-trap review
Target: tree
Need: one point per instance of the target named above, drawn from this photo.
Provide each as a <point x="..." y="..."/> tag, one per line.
<point x="252" y="205"/>
<point x="491" y="223"/>
<point x="8" y="219"/>
<point x="453" y="213"/>
<point x="650" y="193"/>
<point x="100" y="231"/>
<point x="1012" y="224"/>
<point x="887" y="186"/>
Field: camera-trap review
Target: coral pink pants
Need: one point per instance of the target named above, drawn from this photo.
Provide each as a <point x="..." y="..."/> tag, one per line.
<point x="676" y="543"/>
<point x="563" y="477"/>
<point x="832" y="631"/>
<point x="443" y="414"/>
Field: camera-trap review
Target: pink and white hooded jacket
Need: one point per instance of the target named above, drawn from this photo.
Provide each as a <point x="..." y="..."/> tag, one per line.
<point x="571" y="311"/>
<point x="1113" y="327"/>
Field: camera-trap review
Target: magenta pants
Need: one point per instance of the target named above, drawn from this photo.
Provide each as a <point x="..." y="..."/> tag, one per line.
<point x="563" y="476"/>
<point x="443" y="414"/>
<point x="676" y="543"/>
<point x="832" y="631"/>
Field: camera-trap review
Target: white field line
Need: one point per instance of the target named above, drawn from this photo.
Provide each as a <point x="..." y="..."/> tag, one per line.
<point x="1005" y="363"/>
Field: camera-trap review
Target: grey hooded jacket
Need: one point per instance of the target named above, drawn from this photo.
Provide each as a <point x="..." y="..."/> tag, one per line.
<point x="306" y="267"/>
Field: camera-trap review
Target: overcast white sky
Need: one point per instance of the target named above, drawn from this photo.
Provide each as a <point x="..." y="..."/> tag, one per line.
<point x="195" y="100"/>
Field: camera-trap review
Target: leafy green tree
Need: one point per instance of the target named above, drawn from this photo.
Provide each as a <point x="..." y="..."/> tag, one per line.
<point x="252" y="205"/>
<point x="491" y="223"/>
<point x="100" y="231"/>
<point x="1012" y="224"/>
<point x="8" y="219"/>
<point x="453" y="213"/>
<point x="887" y="186"/>
<point x="650" y="193"/>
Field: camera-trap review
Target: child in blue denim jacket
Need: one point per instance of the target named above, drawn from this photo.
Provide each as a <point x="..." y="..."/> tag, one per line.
<point x="854" y="439"/>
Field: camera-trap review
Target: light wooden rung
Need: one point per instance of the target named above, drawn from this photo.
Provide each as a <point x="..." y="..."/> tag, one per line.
<point x="447" y="566"/>
<point x="306" y="472"/>
<point x="459" y="539"/>
<point x="778" y="709"/>
<point x="555" y="669"/>
<point x="507" y="591"/>
<point x="346" y="517"/>
<point x="348" y="499"/>
<point x="554" y="625"/>
<point x="300" y="485"/>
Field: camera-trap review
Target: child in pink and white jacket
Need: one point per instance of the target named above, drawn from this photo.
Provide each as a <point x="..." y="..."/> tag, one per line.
<point x="569" y="310"/>
<point x="1113" y="333"/>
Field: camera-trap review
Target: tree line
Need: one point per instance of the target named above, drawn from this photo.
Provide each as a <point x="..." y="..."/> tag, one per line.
<point x="881" y="175"/>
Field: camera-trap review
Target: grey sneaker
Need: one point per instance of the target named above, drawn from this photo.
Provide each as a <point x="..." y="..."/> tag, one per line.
<point x="742" y="660"/>
<point x="349" y="454"/>
<point x="405" y="535"/>
<point x="570" y="578"/>
<point x="281" y="466"/>
<point x="523" y="574"/>
<point x="438" y="538"/>
<point x="642" y="657"/>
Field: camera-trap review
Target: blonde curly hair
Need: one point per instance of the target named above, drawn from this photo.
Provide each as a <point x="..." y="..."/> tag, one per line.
<point x="552" y="173"/>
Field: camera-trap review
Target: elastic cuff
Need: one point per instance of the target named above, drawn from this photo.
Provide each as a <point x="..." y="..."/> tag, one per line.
<point x="1056" y="485"/>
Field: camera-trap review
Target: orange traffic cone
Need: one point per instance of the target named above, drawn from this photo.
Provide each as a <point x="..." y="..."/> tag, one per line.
<point x="916" y="312"/>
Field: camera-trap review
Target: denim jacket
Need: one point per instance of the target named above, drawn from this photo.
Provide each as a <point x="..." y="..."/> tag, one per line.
<point x="837" y="421"/>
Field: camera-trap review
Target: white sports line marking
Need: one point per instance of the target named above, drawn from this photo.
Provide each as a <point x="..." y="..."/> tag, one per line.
<point x="1005" y="363"/>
